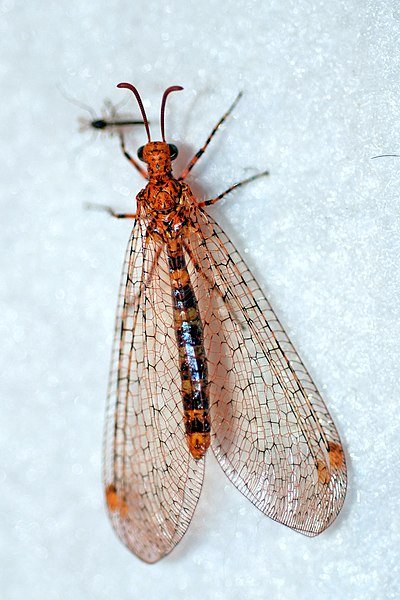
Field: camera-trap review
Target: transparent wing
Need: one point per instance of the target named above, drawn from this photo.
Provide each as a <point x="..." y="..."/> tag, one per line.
<point x="271" y="431"/>
<point x="152" y="482"/>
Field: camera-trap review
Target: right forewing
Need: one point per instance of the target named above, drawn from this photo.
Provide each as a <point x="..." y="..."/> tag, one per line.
<point x="271" y="431"/>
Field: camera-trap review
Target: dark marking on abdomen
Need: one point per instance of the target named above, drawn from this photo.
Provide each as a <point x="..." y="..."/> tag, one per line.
<point x="192" y="359"/>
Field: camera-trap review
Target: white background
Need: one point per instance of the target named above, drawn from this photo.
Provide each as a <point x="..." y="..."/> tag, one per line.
<point x="321" y="83"/>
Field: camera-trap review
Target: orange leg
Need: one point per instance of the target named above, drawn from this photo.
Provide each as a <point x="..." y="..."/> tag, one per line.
<point x="134" y="162"/>
<point x="153" y="265"/>
<point x="203" y="148"/>
<point x="109" y="210"/>
<point x="199" y="270"/>
<point x="233" y="187"/>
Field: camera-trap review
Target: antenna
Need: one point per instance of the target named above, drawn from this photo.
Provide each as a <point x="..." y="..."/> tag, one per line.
<point x="173" y="88"/>
<point x="131" y="87"/>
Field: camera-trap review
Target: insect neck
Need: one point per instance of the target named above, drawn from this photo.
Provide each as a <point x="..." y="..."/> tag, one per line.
<point x="159" y="177"/>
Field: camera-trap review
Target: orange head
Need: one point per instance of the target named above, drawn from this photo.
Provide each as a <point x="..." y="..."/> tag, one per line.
<point x="157" y="155"/>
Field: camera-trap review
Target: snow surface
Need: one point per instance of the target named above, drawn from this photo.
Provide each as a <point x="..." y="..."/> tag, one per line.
<point x="322" y="234"/>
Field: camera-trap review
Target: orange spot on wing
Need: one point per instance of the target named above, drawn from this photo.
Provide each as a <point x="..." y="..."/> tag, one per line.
<point x="114" y="501"/>
<point x="323" y="473"/>
<point x="336" y="455"/>
<point x="336" y="461"/>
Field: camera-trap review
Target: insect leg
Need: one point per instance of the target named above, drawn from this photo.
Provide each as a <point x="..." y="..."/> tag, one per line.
<point x="72" y="100"/>
<point x="233" y="187"/>
<point x="153" y="265"/>
<point x="214" y="288"/>
<point x="203" y="148"/>
<point x="113" y="108"/>
<point x="198" y="268"/>
<point x="129" y="157"/>
<point x="109" y="210"/>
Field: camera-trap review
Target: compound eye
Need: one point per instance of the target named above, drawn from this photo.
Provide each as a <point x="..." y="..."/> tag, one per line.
<point x="140" y="153"/>
<point x="173" y="150"/>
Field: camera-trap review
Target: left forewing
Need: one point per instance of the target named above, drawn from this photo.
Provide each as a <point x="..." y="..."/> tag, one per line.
<point x="152" y="482"/>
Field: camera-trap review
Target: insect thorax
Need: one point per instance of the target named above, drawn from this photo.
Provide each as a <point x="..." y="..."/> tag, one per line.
<point x="168" y="207"/>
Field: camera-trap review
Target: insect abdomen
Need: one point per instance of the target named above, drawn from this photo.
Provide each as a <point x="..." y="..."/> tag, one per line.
<point x="192" y="359"/>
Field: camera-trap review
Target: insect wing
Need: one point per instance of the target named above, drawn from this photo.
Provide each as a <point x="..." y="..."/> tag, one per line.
<point x="271" y="431"/>
<point x="152" y="482"/>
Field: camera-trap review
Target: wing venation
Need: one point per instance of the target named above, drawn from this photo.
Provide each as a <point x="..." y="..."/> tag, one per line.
<point x="152" y="482"/>
<point x="271" y="431"/>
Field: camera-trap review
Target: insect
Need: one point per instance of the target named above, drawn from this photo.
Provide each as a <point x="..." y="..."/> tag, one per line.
<point x="111" y="121"/>
<point x="200" y="360"/>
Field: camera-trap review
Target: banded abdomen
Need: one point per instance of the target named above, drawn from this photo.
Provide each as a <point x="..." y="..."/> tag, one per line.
<point x="192" y="359"/>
